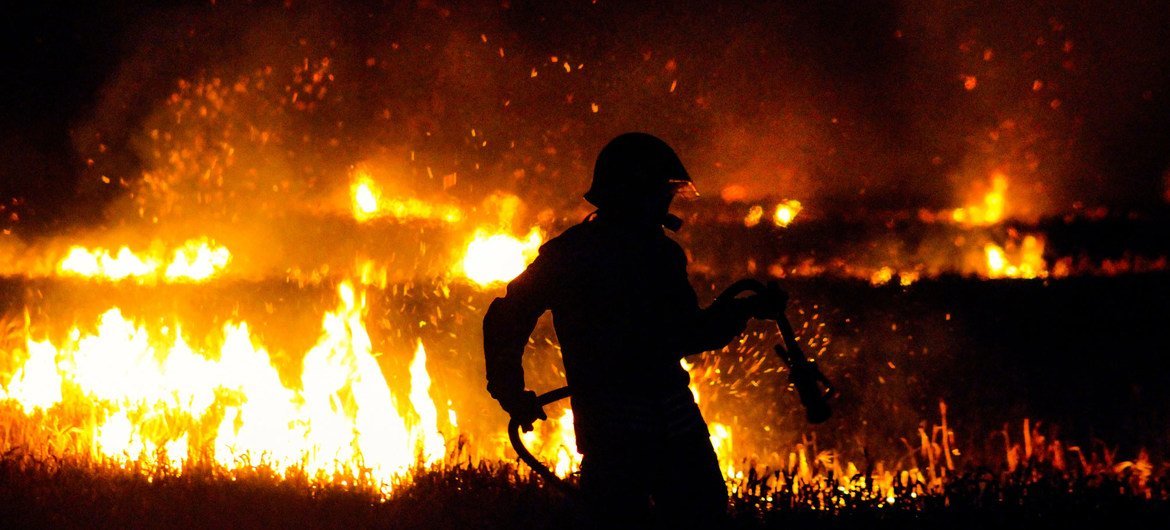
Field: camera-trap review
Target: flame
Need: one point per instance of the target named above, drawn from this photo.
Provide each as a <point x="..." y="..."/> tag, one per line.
<point x="755" y="213"/>
<point x="498" y="258"/>
<point x="365" y="198"/>
<point x="782" y="216"/>
<point x="229" y="403"/>
<point x="990" y="210"/>
<point x="432" y="443"/>
<point x="881" y="276"/>
<point x="1025" y="260"/>
<point x="196" y="260"/>
<point x="567" y="458"/>
<point x="556" y="442"/>
<point x="719" y="433"/>
<point x="785" y="212"/>
<point x="369" y="203"/>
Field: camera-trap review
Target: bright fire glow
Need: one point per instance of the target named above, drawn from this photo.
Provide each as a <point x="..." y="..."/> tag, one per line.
<point x="497" y="258"/>
<point x="368" y="203"/>
<point x="556" y="441"/>
<point x="1025" y="260"/>
<point x="786" y="212"/>
<point x="195" y="261"/>
<point x="755" y="213"/>
<point x="365" y="199"/>
<point x="229" y="402"/>
<point x="719" y="433"/>
<point x="990" y="210"/>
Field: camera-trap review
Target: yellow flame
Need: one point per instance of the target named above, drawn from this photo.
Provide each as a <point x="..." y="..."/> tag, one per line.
<point x="195" y="261"/>
<point x="99" y="263"/>
<point x="36" y="385"/>
<point x="719" y="433"/>
<point x="432" y="443"/>
<point x="365" y="198"/>
<point x="341" y="418"/>
<point x="556" y="442"/>
<point x="498" y="258"/>
<point x="1025" y="260"/>
<point x="567" y="458"/>
<point x="721" y="442"/>
<point x="881" y="276"/>
<point x="368" y="202"/>
<point x="786" y="212"/>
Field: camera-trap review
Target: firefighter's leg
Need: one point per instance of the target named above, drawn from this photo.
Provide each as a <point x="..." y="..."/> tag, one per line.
<point x="616" y="490"/>
<point x="689" y="491"/>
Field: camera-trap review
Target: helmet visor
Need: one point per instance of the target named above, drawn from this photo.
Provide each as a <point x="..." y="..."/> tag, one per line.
<point x="684" y="189"/>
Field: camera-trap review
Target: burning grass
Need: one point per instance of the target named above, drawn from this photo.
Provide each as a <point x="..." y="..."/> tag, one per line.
<point x="1037" y="482"/>
<point x="876" y="465"/>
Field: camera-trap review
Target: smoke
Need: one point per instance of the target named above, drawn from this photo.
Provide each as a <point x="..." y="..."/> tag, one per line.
<point x="242" y="114"/>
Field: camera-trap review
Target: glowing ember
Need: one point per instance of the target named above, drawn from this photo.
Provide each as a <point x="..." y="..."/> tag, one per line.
<point x="755" y="213"/>
<point x="786" y="212"/>
<point x="197" y="260"/>
<point x="499" y="257"/>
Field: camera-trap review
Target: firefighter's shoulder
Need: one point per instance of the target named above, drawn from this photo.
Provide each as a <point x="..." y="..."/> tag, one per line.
<point x="574" y="240"/>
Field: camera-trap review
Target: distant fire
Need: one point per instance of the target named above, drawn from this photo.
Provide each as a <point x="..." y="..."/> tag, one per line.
<point x="988" y="211"/>
<point x="196" y="260"/>
<point x="497" y="258"/>
<point x="786" y="212"/>
<point x="1023" y="260"/>
<point x="782" y="216"/>
<point x="365" y="199"/>
<point x="369" y="203"/>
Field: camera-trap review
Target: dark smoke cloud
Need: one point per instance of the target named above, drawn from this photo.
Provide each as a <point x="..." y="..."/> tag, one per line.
<point x="885" y="104"/>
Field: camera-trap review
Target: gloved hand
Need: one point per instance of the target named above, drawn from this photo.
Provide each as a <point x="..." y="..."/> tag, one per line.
<point x="523" y="408"/>
<point x="768" y="304"/>
<point x="764" y="305"/>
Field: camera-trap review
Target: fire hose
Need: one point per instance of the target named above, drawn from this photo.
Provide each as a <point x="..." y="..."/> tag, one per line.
<point x="811" y="385"/>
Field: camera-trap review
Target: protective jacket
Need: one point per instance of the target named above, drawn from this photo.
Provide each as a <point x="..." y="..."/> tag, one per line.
<point x="625" y="314"/>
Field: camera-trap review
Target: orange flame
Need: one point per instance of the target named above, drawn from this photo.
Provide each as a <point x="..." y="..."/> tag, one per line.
<point x="1025" y="260"/>
<point x="229" y="403"/>
<point x="196" y="261"/>
<point x="990" y="210"/>
<point x="368" y="203"/>
<point x="498" y="258"/>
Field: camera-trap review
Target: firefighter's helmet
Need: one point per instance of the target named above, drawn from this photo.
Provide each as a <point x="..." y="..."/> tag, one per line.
<point x="634" y="169"/>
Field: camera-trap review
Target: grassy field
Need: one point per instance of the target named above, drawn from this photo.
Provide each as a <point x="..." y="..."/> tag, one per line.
<point x="47" y="492"/>
<point x="1083" y="354"/>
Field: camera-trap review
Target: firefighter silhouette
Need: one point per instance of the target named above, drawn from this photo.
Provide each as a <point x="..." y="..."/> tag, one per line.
<point x="624" y="313"/>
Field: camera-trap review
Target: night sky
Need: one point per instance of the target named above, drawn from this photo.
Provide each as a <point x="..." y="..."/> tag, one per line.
<point x="891" y="104"/>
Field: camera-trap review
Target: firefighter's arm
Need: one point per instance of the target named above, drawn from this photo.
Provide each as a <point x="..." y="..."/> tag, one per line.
<point x="713" y="327"/>
<point x="506" y="327"/>
<point x="716" y="325"/>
